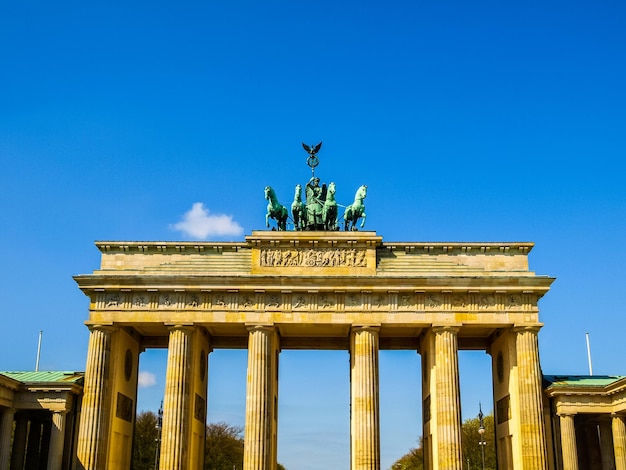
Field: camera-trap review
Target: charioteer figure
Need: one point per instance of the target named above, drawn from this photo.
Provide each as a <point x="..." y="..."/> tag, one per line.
<point x="315" y="198"/>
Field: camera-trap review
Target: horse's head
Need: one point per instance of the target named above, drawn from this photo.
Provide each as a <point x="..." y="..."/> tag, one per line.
<point x="298" y="191"/>
<point x="361" y="192"/>
<point x="331" y="188"/>
<point x="268" y="192"/>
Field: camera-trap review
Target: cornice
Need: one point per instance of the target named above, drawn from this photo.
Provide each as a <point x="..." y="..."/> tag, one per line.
<point x="459" y="284"/>
<point x="303" y="239"/>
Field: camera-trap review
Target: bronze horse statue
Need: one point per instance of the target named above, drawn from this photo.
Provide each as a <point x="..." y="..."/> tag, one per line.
<point x="356" y="210"/>
<point x="298" y="210"/>
<point x="329" y="211"/>
<point x="275" y="210"/>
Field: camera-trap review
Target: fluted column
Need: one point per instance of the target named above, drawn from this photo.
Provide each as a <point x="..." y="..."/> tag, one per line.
<point x="176" y="419"/>
<point x="57" y="441"/>
<point x="6" y="429"/>
<point x="92" y="433"/>
<point x="259" y="438"/>
<point x="619" y="441"/>
<point x="19" y="441"/>
<point x="568" y="442"/>
<point x="532" y="427"/>
<point x="365" y="421"/>
<point x="448" y="403"/>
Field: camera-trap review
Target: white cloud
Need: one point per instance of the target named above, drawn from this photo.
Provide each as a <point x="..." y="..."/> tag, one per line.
<point x="199" y="223"/>
<point x="146" y="379"/>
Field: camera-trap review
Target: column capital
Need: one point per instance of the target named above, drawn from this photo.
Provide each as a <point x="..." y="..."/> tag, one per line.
<point x="534" y="328"/>
<point x="446" y="328"/>
<point x="260" y="327"/>
<point x="180" y="326"/>
<point x="566" y="414"/>
<point x="368" y="327"/>
<point x="104" y="328"/>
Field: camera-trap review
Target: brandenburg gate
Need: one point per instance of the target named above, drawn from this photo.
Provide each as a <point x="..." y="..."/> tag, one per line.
<point x="311" y="289"/>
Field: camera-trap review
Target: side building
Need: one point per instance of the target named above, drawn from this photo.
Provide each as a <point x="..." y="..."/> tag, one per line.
<point x="39" y="414"/>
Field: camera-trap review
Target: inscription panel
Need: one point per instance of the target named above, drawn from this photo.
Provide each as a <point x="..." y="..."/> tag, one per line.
<point x="503" y="409"/>
<point x="124" y="407"/>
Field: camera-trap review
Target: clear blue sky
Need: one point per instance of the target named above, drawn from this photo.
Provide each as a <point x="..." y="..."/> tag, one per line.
<point x="481" y="122"/>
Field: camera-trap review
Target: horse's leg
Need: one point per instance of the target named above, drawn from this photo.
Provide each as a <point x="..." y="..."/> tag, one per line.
<point x="284" y="215"/>
<point x="364" y="216"/>
<point x="267" y="219"/>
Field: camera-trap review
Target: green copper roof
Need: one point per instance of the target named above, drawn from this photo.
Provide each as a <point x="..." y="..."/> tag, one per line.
<point x="581" y="380"/>
<point x="45" y="376"/>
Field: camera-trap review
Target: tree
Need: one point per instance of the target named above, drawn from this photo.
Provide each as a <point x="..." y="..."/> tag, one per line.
<point x="145" y="441"/>
<point x="472" y="448"/>
<point x="224" y="447"/>
<point x="414" y="459"/>
<point x="223" y="450"/>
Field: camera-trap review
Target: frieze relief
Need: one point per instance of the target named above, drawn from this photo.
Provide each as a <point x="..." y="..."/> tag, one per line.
<point x="353" y="301"/>
<point x="247" y="301"/>
<point x="486" y="302"/>
<point x="514" y="302"/>
<point x="326" y="302"/>
<point x="406" y="301"/>
<point x="299" y="302"/>
<point x="379" y="302"/>
<point x="140" y="301"/>
<point x="459" y="301"/>
<point x="112" y="301"/>
<point x="220" y="301"/>
<point x="273" y="301"/>
<point x="329" y="301"/>
<point x="433" y="301"/>
<point x="167" y="300"/>
<point x="320" y="258"/>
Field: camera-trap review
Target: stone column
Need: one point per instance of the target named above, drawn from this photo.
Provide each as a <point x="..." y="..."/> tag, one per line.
<point x="260" y="435"/>
<point x="176" y="403"/>
<point x="619" y="441"/>
<point x="57" y="441"/>
<point x="448" y="403"/>
<point x="6" y="429"/>
<point x="19" y="441"/>
<point x="365" y="421"/>
<point x="568" y="442"/>
<point x="94" y="417"/>
<point x="532" y="427"/>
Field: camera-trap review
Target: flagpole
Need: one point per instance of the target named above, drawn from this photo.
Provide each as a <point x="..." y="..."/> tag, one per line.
<point x="38" y="351"/>
<point x="589" y="354"/>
